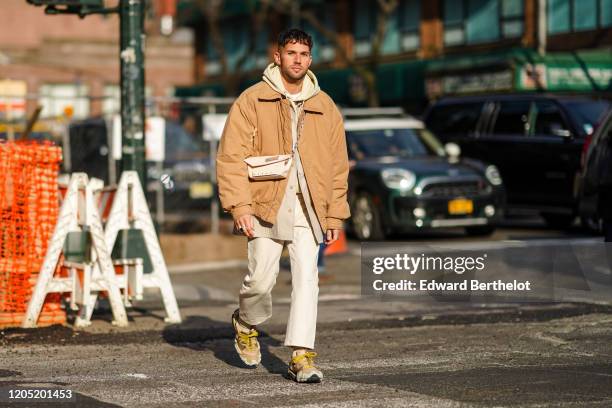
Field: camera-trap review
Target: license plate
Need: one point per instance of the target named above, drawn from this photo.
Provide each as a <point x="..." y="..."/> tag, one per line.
<point x="200" y="190"/>
<point x="460" y="206"/>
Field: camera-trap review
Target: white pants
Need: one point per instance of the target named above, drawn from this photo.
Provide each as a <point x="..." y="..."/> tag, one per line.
<point x="255" y="294"/>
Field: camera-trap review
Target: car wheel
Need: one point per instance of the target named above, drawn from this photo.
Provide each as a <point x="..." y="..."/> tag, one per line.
<point x="559" y="221"/>
<point x="481" y="230"/>
<point x="367" y="225"/>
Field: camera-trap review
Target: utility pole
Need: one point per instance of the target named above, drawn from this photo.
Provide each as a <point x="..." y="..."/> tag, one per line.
<point x="131" y="17"/>
<point x="132" y="37"/>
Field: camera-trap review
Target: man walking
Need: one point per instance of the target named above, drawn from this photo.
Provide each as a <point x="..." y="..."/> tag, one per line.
<point x="284" y="113"/>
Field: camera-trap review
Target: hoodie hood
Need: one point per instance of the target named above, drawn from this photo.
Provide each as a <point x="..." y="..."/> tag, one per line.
<point x="310" y="86"/>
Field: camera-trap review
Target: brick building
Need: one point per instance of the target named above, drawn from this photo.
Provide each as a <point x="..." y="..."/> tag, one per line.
<point x="62" y="60"/>
<point x="431" y="47"/>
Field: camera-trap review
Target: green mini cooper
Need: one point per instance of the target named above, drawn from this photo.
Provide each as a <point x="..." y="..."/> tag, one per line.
<point x="402" y="179"/>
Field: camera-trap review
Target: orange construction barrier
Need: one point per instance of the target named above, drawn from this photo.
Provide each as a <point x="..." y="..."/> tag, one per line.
<point x="338" y="247"/>
<point x="28" y="214"/>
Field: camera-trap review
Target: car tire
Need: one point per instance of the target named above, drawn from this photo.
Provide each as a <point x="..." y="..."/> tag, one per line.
<point x="366" y="220"/>
<point x="479" y="231"/>
<point x="559" y="221"/>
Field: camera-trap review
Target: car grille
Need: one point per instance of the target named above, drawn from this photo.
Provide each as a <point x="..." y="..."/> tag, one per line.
<point x="453" y="189"/>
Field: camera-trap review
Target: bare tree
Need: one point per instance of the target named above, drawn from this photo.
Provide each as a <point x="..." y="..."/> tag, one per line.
<point x="367" y="70"/>
<point x="212" y="10"/>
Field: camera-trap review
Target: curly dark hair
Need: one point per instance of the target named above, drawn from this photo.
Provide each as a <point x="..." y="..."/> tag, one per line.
<point x="294" y="35"/>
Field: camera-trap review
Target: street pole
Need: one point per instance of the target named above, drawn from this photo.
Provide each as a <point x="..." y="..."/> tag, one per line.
<point x="542" y="27"/>
<point x="131" y="17"/>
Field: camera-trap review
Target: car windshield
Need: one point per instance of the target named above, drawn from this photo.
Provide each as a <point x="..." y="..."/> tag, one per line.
<point x="403" y="143"/>
<point x="587" y="114"/>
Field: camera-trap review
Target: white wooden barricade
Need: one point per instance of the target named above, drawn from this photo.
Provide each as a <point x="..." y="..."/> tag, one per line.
<point x="78" y="213"/>
<point x="130" y="210"/>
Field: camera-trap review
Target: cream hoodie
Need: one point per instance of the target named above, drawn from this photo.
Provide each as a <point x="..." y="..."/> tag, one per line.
<point x="310" y="86"/>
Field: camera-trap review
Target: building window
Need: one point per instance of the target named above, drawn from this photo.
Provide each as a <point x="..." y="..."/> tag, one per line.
<point x="57" y="99"/>
<point x="585" y="15"/>
<point x="512" y="18"/>
<point x="234" y="35"/>
<point x="401" y="31"/>
<point x="322" y="49"/>
<point x="364" y="23"/>
<point x="409" y="24"/>
<point x="391" y="41"/>
<point x="481" y="21"/>
<point x="212" y="65"/>
<point x="235" y="40"/>
<point x="261" y="48"/>
<point x="454" y="16"/>
<point x="605" y="17"/>
<point x="482" y="24"/>
<point x="566" y="16"/>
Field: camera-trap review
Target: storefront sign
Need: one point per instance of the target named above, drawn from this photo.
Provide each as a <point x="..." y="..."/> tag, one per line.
<point x="565" y="78"/>
<point x="469" y="83"/>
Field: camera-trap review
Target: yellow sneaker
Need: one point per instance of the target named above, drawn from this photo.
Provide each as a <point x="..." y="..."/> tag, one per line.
<point x="245" y="342"/>
<point x="303" y="370"/>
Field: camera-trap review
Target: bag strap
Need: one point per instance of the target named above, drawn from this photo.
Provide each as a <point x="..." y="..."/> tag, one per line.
<point x="253" y="133"/>
<point x="300" y="114"/>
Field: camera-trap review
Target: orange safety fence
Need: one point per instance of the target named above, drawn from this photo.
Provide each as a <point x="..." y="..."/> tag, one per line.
<point x="29" y="208"/>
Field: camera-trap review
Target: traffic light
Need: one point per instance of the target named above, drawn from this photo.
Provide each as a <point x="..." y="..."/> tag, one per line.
<point x="80" y="7"/>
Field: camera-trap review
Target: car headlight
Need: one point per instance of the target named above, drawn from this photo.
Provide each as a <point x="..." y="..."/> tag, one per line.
<point x="492" y="174"/>
<point x="398" y="179"/>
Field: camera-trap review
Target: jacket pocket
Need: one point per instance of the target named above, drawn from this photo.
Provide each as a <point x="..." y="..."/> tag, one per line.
<point x="264" y="191"/>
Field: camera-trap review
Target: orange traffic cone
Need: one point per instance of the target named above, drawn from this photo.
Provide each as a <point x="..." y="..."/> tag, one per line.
<point x="338" y="247"/>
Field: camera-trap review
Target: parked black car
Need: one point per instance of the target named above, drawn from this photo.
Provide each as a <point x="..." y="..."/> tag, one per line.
<point x="402" y="180"/>
<point x="185" y="170"/>
<point x="536" y="141"/>
<point x="596" y="186"/>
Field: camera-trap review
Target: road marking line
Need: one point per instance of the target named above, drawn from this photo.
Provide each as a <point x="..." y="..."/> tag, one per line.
<point x="206" y="266"/>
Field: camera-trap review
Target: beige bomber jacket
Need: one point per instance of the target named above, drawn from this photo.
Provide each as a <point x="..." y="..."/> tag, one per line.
<point x="259" y="124"/>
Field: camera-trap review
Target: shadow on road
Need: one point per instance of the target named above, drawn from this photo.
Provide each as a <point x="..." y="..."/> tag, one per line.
<point x="189" y="334"/>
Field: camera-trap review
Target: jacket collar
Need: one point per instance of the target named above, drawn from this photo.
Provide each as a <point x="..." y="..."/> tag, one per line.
<point x="314" y="104"/>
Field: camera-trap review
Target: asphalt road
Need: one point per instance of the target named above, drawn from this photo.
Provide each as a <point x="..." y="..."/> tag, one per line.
<point x="416" y="352"/>
<point x="520" y="360"/>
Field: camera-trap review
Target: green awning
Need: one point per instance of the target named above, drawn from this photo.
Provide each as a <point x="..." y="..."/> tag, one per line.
<point x="521" y="69"/>
<point x="569" y="71"/>
<point x="471" y="62"/>
<point x="397" y="84"/>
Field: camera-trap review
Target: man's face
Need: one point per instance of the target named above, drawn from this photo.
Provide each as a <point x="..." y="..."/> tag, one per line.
<point x="294" y="59"/>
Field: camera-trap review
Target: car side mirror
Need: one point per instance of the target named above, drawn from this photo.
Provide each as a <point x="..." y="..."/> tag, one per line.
<point x="453" y="151"/>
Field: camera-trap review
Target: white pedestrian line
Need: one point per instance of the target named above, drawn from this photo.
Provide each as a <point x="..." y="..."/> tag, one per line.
<point x="206" y="266"/>
<point x="137" y="375"/>
<point x="326" y="298"/>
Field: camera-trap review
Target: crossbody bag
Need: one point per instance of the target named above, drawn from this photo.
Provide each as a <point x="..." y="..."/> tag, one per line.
<point x="273" y="167"/>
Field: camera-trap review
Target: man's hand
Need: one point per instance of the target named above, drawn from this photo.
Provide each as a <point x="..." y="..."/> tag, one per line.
<point x="331" y="236"/>
<point x="245" y="225"/>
